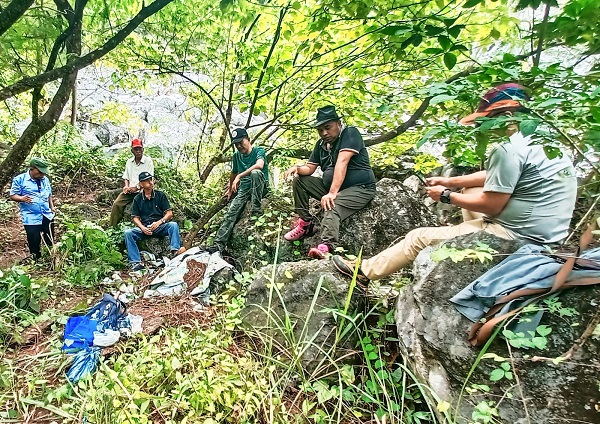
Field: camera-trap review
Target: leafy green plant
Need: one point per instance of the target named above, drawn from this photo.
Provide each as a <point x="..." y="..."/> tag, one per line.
<point x="19" y="301"/>
<point x="482" y="252"/>
<point x="533" y="339"/>
<point x="86" y="253"/>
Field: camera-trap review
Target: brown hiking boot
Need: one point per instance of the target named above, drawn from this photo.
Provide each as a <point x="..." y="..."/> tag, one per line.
<point x="347" y="268"/>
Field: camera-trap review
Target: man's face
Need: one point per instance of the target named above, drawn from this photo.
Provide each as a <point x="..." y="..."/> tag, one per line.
<point x="138" y="152"/>
<point x="147" y="184"/>
<point x="36" y="174"/>
<point x="329" y="131"/>
<point x="244" y="146"/>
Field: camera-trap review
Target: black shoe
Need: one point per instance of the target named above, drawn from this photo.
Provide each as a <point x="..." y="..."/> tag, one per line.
<point x="347" y="268"/>
<point x="137" y="266"/>
<point x="214" y="248"/>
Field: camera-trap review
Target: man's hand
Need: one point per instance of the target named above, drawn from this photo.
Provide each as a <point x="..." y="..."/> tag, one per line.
<point x="146" y="230"/>
<point x="228" y="194"/>
<point x="437" y="181"/>
<point x="328" y="201"/>
<point x="293" y="172"/>
<point x="435" y="191"/>
<point x="154" y="225"/>
<point x="26" y="199"/>
<point x="235" y="184"/>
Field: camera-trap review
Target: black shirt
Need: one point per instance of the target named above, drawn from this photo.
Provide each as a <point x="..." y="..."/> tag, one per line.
<point x="359" y="170"/>
<point x="150" y="210"/>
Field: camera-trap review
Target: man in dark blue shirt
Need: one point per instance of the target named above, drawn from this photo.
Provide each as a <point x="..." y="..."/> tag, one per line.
<point x="151" y="213"/>
<point x="347" y="185"/>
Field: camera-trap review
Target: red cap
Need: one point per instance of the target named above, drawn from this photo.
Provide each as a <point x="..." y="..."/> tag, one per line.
<point x="136" y="143"/>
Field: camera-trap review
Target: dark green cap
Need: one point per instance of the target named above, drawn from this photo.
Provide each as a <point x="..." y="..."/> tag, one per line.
<point x="40" y="164"/>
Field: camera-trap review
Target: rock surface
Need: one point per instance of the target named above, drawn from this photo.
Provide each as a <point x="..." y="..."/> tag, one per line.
<point x="433" y="337"/>
<point x="393" y="212"/>
<point x="311" y="330"/>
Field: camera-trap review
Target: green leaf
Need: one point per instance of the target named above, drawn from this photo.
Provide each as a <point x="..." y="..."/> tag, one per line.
<point x="497" y="374"/>
<point x="449" y="60"/>
<point x="428" y="135"/>
<point x="471" y="3"/>
<point x="529" y="126"/>
<point x="550" y="102"/>
<point x="441" y="98"/>
<point x="543" y="330"/>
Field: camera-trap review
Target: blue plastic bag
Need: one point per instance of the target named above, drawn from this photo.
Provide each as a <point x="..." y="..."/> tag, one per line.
<point x="85" y="362"/>
<point x="79" y="332"/>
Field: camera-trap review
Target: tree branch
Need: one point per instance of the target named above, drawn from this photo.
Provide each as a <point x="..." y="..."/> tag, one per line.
<point x="282" y="13"/>
<point x="28" y="83"/>
<point x="12" y="13"/>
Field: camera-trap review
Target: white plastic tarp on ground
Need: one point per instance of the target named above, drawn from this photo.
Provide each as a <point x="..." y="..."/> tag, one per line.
<point x="169" y="282"/>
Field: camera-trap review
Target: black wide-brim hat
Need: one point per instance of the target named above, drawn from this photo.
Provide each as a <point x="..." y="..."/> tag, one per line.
<point x="326" y="114"/>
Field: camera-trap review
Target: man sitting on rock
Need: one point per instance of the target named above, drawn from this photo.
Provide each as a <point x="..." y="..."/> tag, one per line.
<point x="32" y="191"/>
<point x="522" y="195"/>
<point x="151" y="213"/>
<point x="249" y="179"/>
<point x="347" y="185"/>
<point x="135" y="165"/>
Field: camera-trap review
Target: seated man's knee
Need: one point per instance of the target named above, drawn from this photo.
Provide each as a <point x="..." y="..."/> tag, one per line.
<point x="255" y="172"/>
<point x="130" y="233"/>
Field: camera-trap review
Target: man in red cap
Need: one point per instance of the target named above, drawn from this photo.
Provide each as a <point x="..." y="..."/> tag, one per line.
<point x="133" y="168"/>
<point x="521" y="195"/>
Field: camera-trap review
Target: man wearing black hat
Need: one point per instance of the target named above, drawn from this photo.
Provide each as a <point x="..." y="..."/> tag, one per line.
<point x="348" y="182"/>
<point x="249" y="179"/>
<point x="152" y="215"/>
<point x="32" y="191"/>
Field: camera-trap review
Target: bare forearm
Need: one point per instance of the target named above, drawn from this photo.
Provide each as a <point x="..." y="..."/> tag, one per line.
<point x="168" y="215"/>
<point x="476" y="179"/>
<point x="487" y="203"/>
<point x="339" y="175"/>
<point x="137" y="222"/>
<point x="305" y="170"/>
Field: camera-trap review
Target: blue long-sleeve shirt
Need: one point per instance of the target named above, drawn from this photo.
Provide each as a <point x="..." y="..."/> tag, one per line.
<point x="40" y="191"/>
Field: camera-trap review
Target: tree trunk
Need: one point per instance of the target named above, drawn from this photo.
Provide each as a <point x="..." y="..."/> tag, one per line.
<point x="199" y="225"/>
<point x="35" y="130"/>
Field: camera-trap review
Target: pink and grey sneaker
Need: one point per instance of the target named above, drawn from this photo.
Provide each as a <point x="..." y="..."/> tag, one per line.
<point x="302" y="229"/>
<point x="319" y="252"/>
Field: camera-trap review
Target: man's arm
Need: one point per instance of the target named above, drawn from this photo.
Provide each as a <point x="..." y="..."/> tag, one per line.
<point x="51" y="204"/>
<point x="339" y="174"/>
<point x="166" y="218"/>
<point x="487" y="202"/>
<point x="303" y="170"/>
<point x="18" y="198"/>
<point x="476" y="179"/>
<point x="138" y="223"/>
<point x="233" y="185"/>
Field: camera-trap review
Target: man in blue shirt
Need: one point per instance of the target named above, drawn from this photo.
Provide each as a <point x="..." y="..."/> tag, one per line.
<point x="32" y="191"/>
<point x="249" y="179"/>
<point x="152" y="216"/>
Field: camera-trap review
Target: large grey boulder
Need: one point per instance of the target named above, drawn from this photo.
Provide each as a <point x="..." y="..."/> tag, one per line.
<point x="393" y="212"/>
<point x="295" y="310"/>
<point x="433" y="337"/>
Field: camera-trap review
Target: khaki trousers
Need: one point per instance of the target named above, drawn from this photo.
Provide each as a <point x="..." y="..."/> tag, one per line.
<point x="118" y="207"/>
<point x="403" y="253"/>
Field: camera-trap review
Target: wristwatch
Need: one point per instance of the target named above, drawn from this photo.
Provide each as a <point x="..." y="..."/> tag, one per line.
<point x="163" y="221"/>
<point x="445" y="196"/>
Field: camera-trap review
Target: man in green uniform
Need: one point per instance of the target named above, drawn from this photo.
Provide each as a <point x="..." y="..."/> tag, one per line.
<point x="249" y="179"/>
<point x="347" y="185"/>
